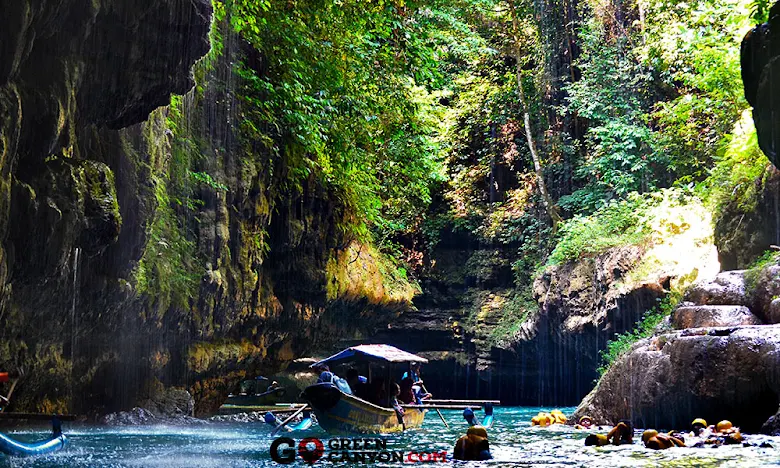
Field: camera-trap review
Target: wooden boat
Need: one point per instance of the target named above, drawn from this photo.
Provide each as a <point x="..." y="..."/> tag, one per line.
<point x="342" y="413"/>
<point x="256" y="392"/>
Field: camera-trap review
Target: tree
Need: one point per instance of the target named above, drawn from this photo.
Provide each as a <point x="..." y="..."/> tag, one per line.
<point x="549" y="205"/>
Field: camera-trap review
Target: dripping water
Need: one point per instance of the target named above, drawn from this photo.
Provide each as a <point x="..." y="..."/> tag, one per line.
<point x="73" y="322"/>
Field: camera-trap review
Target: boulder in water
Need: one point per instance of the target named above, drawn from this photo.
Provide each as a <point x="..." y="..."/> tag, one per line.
<point x="135" y="417"/>
<point x="772" y="425"/>
<point x="716" y="373"/>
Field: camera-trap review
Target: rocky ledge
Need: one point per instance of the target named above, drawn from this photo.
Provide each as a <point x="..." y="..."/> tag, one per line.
<point x="714" y="373"/>
<point x="721" y="362"/>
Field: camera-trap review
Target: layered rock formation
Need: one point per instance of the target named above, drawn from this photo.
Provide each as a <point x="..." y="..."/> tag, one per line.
<point x="719" y="362"/>
<point x="713" y="373"/>
<point x="145" y="252"/>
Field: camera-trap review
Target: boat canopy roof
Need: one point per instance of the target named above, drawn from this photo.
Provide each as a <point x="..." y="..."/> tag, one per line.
<point x="371" y="353"/>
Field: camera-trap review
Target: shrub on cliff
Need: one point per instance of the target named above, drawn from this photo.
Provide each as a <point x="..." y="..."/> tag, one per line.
<point x="617" y="223"/>
<point x="639" y="218"/>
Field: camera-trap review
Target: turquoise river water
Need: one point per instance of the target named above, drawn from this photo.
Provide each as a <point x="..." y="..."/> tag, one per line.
<point x="513" y="443"/>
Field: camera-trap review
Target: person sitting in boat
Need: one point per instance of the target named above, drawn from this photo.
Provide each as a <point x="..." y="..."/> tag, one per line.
<point x="473" y="446"/>
<point x="329" y="377"/>
<point x="320" y="370"/>
<point x="394" y="400"/>
<point x="378" y="395"/>
<point x="419" y="394"/>
<point x="413" y="373"/>
<point x="407" y="391"/>
<point x="274" y="385"/>
<point x="358" y="384"/>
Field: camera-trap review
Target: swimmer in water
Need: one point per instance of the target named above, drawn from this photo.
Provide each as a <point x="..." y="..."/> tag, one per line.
<point x="585" y="423"/>
<point x="621" y="434"/>
<point x="473" y="446"/>
<point x="653" y="440"/>
<point x="727" y="434"/>
<point x="558" y="417"/>
<point x="698" y="428"/>
<point x="542" y="420"/>
<point x="597" y="440"/>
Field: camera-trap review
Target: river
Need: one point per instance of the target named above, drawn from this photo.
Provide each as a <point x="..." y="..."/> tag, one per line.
<point x="513" y="443"/>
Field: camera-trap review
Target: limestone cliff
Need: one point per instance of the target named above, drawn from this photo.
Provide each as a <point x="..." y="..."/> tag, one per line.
<point x="715" y="359"/>
<point x="142" y="248"/>
<point x="486" y="338"/>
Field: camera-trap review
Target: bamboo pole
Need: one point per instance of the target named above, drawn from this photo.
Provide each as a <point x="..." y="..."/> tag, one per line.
<point x="479" y="402"/>
<point x="441" y="407"/>
<point x="287" y="421"/>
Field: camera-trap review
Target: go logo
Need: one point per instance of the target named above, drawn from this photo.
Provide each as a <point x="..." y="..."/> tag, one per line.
<point x="310" y="449"/>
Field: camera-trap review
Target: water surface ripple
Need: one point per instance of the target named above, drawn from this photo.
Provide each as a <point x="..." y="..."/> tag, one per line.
<point x="513" y="443"/>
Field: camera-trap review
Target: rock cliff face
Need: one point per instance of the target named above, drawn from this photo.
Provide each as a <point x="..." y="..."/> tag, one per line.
<point x="120" y="275"/>
<point x="743" y="231"/>
<point x="548" y="351"/>
<point x="721" y="362"/>
<point x="486" y="338"/>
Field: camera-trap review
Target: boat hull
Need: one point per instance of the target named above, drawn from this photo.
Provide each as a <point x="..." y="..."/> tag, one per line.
<point x="15" y="448"/>
<point x="340" y="413"/>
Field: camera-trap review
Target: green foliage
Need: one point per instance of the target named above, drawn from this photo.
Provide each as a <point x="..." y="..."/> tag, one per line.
<point x="618" y="346"/>
<point x="753" y="273"/>
<point x="694" y="51"/>
<point x="619" y="222"/>
<point x="658" y="96"/>
<point x="513" y="315"/>
<point x="740" y="168"/>
<point x="614" y="95"/>
<point x="209" y="181"/>
<point x="318" y="108"/>
<point x="759" y="11"/>
<point x="166" y="272"/>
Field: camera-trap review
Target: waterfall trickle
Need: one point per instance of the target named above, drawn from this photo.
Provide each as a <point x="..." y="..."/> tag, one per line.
<point x="73" y="322"/>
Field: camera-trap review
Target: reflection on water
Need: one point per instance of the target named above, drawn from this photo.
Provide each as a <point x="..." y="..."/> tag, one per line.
<point x="513" y="442"/>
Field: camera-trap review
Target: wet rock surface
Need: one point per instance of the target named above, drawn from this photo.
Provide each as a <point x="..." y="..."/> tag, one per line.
<point x="89" y="312"/>
<point x="727" y="288"/>
<point x="549" y="355"/>
<point x="714" y="373"/>
<point x="143" y="417"/>
<point x="772" y="425"/>
<point x="694" y="316"/>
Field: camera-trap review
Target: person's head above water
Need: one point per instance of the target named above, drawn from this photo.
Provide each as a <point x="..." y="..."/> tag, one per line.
<point x="648" y="434"/>
<point x="724" y="425"/>
<point x="477" y="431"/>
<point x="698" y="425"/>
<point x="586" y="421"/>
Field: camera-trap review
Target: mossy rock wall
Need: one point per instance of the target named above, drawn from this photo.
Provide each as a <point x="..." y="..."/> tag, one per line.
<point x="148" y="249"/>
